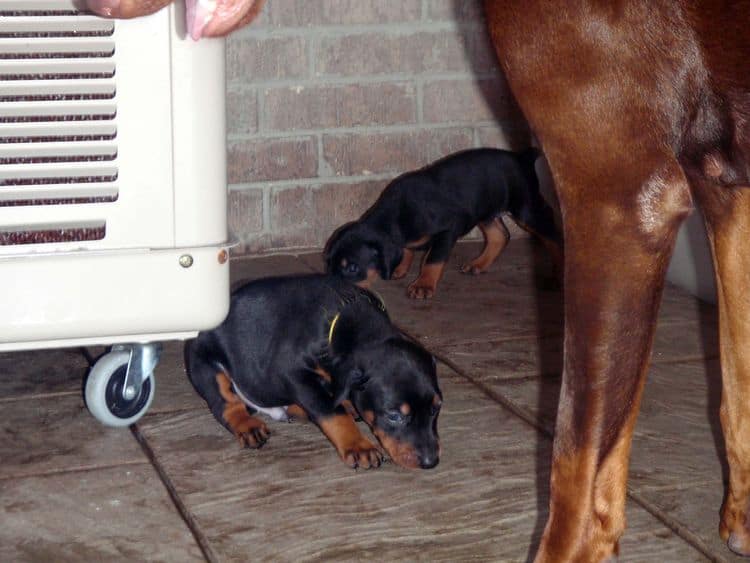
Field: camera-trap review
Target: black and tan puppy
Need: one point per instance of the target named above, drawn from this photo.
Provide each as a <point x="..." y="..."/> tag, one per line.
<point x="303" y="346"/>
<point x="431" y="208"/>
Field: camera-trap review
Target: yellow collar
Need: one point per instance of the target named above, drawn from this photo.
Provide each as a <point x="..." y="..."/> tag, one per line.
<point x="380" y="304"/>
<point x="333" y="325"/>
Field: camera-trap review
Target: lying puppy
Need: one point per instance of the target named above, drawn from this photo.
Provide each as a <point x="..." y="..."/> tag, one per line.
<point x="302" y="346"/>
<point x="429" y="209"/>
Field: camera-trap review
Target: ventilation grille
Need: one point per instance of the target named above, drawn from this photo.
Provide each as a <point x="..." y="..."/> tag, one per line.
<point x="57" y="114"/>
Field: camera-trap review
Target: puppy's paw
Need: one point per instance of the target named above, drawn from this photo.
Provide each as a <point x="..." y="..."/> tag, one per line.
<point x="399" y="273"/>
<point x="420" y="290"/>
<point x="473" y="269"/>
<point x="252" y="432"/>
<point x="363" y="454"/>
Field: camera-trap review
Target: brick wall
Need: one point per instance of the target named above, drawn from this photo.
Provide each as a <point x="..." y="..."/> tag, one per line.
<point x="328" y="100"/>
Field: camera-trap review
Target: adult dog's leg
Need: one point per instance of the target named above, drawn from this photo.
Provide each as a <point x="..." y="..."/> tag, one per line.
<point x="618" y="243"/>
<point x="727" y="216"/>
<point x="608" y="107"/>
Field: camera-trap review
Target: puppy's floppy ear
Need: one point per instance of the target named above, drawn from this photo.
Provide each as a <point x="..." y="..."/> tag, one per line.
<point x="389" y="256"/>
<point x="350" y="379"/>
<point x="334" y="244"/>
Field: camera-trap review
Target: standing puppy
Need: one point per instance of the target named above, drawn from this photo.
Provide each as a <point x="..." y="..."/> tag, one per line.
<point x="429" y="209"/>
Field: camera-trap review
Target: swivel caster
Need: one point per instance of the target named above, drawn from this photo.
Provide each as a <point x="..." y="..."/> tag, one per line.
<point x="120" y="386"/>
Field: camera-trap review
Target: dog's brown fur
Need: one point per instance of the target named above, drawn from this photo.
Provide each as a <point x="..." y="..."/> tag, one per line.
<point x="642" y="108"/>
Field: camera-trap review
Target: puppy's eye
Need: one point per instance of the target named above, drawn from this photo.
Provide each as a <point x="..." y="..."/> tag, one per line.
<point x="434" y="409"/>
<point x="352" y="268"/>
<point x="395" y="417"/>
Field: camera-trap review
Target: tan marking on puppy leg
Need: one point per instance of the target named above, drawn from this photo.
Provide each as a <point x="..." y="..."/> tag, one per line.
<point x="369" y="417"/>
<point x="403" y="268"/>
<point x="349" y="408"/>
<point x="496" y="238"/>
<point x="419" y="242"/>
<point x="225" y="388"/>
<point x="425" y="285"/>
<point x="250" y="431"/>
<point x="354" y="449"/>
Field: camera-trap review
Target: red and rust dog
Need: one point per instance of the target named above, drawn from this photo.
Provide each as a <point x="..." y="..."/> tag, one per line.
<point x="642" y="108"/>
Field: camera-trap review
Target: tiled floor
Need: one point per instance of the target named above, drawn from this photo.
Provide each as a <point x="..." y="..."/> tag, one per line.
<point x="176" y="487"/>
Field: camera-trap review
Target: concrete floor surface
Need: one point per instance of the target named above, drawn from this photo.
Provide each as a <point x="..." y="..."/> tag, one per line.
<point x="176" y="486"/>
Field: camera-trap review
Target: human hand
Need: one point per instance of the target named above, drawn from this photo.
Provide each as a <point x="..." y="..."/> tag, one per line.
<point x="204" y="18"/>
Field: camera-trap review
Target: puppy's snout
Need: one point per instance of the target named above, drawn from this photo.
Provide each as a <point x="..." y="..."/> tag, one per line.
<point x="429" y="458"/>
<point x="428" y="461"/>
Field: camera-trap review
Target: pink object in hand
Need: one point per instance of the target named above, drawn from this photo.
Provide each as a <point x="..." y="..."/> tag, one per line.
<point x="198" y="13"/>
<point x="204" y="18"/>
<point x="215" y="18"/>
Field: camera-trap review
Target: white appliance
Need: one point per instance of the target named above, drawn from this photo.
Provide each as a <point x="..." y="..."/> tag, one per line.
<point x="112" y="190"/>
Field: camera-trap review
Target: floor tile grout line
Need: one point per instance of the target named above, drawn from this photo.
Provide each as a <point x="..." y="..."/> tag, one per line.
<point x="508" y="404"/>
<point x="510" y="379"/>
<point x="687" y="535"/>
<point x="673" y="322"/>
<point x="683" y="486"/>
<point x="503" y="401"/>
<point x="503" y="339"/>
<point x="165" y="411"/>
<point x="549" y="336"/>
<point x="536" y="375"/>
<point x="78" y="469"/>
<point x="685" y="360"/>
<point x="185" y="514"/>
<point x="532" y="376"/>
<point x="676" y="526"/>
